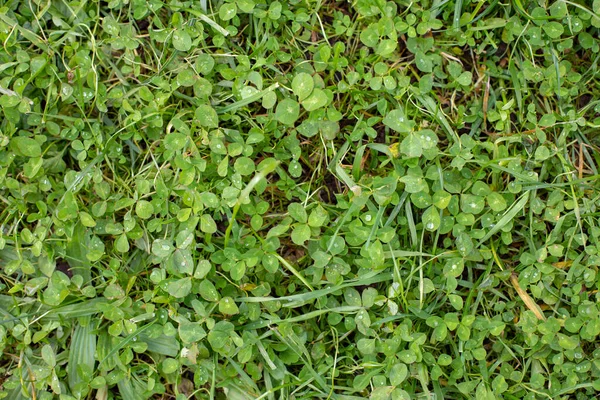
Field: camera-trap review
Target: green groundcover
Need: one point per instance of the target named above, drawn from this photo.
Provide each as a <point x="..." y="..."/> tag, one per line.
<point x="302" y="199"/>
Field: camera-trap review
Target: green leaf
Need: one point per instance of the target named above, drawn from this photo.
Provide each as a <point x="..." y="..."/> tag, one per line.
<point x="496" y="202"/>
<point x="431" y="219"/>
<point x="208" y="291"/>
<point x="207" y="116"/>
<point x="169" y="366"/>
<point x="465" y="78"/>
<point x="396" y="120"/>
<point x="186" y="78"/>
<point x="244" y="166"/>
<point x="227" y="11"/>
<point x="82" y="350"/>
<point x="48" y="355"/>
<point x="220" y="335"/>
<point x="300" y="234"/>
<point x="122" y="244"/>
<point x="287" y="111"/>
<point x="144" y="209"/>
<point x="464" y="244"/>
<point x="423" y="62"/>
<point x="542" y="153"/>
<point x="191" y="332"/>
<point x="175" y="141"/>
<point x="318" y="217"/>
<point x="386" y="47"/>
<point x="411" y="146"/>
<point x="269" y="100"/>
<point x="441" y="199"/>
<point x="414" y="184"/>
<point x="162" y="248"/>
<point x="398" y="373"/>
<point x="302" y="85"/>
<point x="180" y="287"/>
<point x="553" y="29"/>
<point x="180" y="263"/>
<point x="316" y="100"/>
<point x="472" y="204"/>
<point x="382" y="393"/>
<point x="25" y="146"/>
<point x="182" y="40"/>
<point x="568" y="342"/>
<point x="298" y="212"/>
<point x="227" y="306"/>
<point x="202" y="269"/>
<point x="245" y="5"/>
<point x="207" y="224"/>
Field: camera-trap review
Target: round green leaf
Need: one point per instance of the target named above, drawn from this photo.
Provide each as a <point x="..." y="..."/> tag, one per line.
<point x="496" y="202"/>
<point x="207" y="224"/>
<point x="423" y="62"/>
<point x="186" y="77"/>
<point x="553" y="29"/>
<point x="191" y="332"/>
<point x="181" y="40"/>
<point x="431" y="219"/>
<point x="25" y="146"/>
<point x="302" y="85"/>
<point x="471" y="204"/>
<point x="386" y="47"/>
<point x="298" y="212"/>
<point x="542" y="153"/>
<point x="204" y="63"/>
<point x="269" y="100"/>
<point x="207" y="116"/>
<point x="122" y="244"/>
<point x="244" y="166"/>
<point x="227" y="11"/>
<point x="287" y="111"/>
<point x="169" y="365"/>
<point x="441" y="199"/>
<point x="398" y="374"/>
<point x="316" y="100"/>
<point x="228" y="306"/>
<point x="396" y="120"/>
<point x="411" y="146"/>
<point x="301" y="234"/>
<point x="144" y="209"/>
<point x="180" y="287"/>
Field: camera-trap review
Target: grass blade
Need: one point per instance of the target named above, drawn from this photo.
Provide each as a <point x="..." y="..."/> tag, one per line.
<point x="81" y="352"/>
<point x="508" y="216"/>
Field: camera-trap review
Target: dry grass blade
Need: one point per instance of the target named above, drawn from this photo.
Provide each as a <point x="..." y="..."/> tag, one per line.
<point x="532" y="305"/>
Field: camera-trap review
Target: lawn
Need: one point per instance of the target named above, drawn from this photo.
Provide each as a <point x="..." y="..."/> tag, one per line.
<point x="302" y="199"/>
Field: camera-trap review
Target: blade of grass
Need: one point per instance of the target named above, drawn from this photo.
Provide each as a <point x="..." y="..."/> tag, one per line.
<point x="300" y="318"/>
<point x="508" y="216"/>
<point x="248" y="100"/>
<point x="245" y="195"/>
<point x="293" y="270"/>
<point x="82" y="350"/>
<point x="300" y="299"/>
